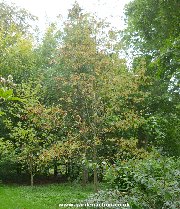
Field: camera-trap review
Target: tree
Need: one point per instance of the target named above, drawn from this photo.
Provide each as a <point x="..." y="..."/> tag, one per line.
<point x="16" y="45"/>
<point x="153" y="36"/>
<point x="13" y="15"/>
<point x="31" y="128"/>
<point x="6" y="95"/>
<point x="95" y="87"/>
<point x="46" y="63"/>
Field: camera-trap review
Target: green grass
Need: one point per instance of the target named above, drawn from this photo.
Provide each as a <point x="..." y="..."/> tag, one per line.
<point x="42" y="197"/>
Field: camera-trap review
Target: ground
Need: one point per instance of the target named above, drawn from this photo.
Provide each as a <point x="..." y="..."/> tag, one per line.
<point x="42" y="197"/>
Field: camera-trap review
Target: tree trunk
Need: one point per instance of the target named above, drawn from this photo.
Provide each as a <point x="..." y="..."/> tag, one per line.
<point x="84" y="176"/>
<point x="31" y="169"/>
<point x="55" y="168"/>
<point x="95" y="169"/>
<point x="95" y="179"/>
<point x="19" y="169"/>
<point x="32" y="179"/>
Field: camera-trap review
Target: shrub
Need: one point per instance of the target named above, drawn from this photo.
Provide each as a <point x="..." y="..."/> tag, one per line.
<point x="150" y="183"/>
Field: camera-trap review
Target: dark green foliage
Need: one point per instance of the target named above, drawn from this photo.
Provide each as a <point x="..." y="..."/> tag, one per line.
<point x="80" y="107"/>
<point x="147" y="183"/>
<point x="151" y="23"/>
<point x="153" y="35"/>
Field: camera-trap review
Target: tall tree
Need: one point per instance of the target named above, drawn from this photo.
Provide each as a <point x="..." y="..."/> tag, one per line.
<point x="95" y="87"/>
<point x="153" y="34"/>
<point x="16" y="43"/>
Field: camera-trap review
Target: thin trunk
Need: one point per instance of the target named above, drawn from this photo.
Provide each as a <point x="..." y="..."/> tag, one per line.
<point x="93" y="125"/>
<point x="68" y="170"/>
<point x="95" y="179"/>
<point x="84" y="170"/>
<point x="84" y="176"/>
<point x="31" y="170"/>
<point x="32" y="179"/>
<point x="18" y="169"/>
<point x="95" y="169"/>
<point x="55" y="169"/>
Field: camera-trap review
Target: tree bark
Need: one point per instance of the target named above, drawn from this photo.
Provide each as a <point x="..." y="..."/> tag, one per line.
<point x="55" y="168"/>
<point x="31" y="170"/>
<point x="19" y="169"/>
<point x="84" y="176"/>
<point x="95" y="169"/>
<point x="32" y="179"/>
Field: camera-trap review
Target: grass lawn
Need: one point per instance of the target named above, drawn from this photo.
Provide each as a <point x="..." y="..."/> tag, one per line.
<point x="42" y="197"/>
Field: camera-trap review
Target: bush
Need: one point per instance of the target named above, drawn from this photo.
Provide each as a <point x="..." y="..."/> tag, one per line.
<point x="150" y="183"/>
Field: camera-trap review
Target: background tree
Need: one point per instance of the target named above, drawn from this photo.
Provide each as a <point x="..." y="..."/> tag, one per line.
<point x="16" y="42"/>
<point x="153" y="34"/>
<point x="30" y="127"/>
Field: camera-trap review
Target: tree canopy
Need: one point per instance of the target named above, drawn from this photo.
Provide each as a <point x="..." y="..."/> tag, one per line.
<point x="71" y="106"/>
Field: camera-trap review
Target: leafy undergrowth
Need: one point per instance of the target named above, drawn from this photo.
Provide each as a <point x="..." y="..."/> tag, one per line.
<point x="42" y="197"/>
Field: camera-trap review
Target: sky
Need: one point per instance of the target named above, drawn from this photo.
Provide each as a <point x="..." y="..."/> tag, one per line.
<point x="49" y="9"/>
